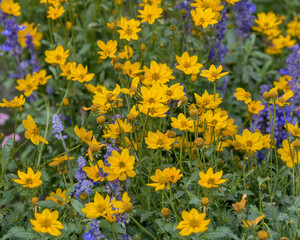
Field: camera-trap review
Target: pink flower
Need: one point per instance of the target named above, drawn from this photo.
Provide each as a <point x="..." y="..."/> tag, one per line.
<point x="17" y="138"/>
<point x="3" y="118"/>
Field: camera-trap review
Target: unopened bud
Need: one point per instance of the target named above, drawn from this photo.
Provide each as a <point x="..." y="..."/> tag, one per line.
<point x="66" y="102"/>
<point x="165" y="212"/>
<point x="130" y="117"/>
<point x="204" y="201"/>
<point x="194" y="77"/>
<point x="100" y="119"/>
<point x="143" y="47"/>
<point x="198" y="142"/>
<point x="171" y="134"/>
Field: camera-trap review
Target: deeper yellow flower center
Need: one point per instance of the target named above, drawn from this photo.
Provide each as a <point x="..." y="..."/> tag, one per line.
<point x="186" y="65"/>
<point x="128" y="31"/>
<point x="46" y="222"/>
<point x="194" y="223"/>
<point x="29" y="87"/>
<point x="36" y="131"/>
<point x="81" y="76"/>
<point x="151" y="100"/>
<point x="155" y="76"/>
<point x="253" y="109"/>
<point x="211" y="181"/>
<point x="109" y="96"/>
<point x="249" y="143"/>
<point x="28" y="180"/>
<point x="183" y="124"/>
<point x="247" y="95"/>
<point x="160" y="142"/>
<point x="214" y="74"/>
<point x="58" y="57"/>
<point x="214" y="122"/>
<point x="169" y="93"/>
<point x="122" y="165"/>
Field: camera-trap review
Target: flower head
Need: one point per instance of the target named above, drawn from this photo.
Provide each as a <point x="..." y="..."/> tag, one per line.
<point x="158" y="140"/>
<point x="15" y="103"/>
<point x="182" y="123"/>
<point x="57" y="56"/>
<point x="203" y="17"/>
<point x="157" y="73"/>
<point x="254" y="222"/>
<point x="242" y="95"/>
<point x="193" y="222"/>
<point x="55" y="11"/>
<point x="107" y="50"/>
<point x="213" y="73"/>
<point x="255" y="107"/>
<point x="46" y="222"/>
<point x="124" y="205"/>
<point x="58" y="193"/>
<point x="130" y="28"/>
<point x="250" y="142"/>
<point x="58" y="127"/>
<point x="94" y="173"/>
<point x="211" y="179"/>
<point x="150" y="13"/>
<point x="10" y="7"/>
<point x="188" y="64"/>
<point x="29" y="179"/>
<point x="30" y="29"/>
<point x="28" y="85"/>
<point x="32" y="131"/>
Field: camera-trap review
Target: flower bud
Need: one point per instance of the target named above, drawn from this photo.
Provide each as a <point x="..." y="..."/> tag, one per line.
<point x="204" y="201"/>
<point x="173" y="27"/>
<point x="165" y="212"/>
<point x="198" y="142"/>
<point x="100" y="119"/>
<point x="262" y="235"/>
<point x="130" y="117"/>
<point x="34" y="200"/>
<point x="143" y="47"/>
<point x="66" y="102"/>
<point x="194" y="77"/>
<point x="266" y="96"/>
<point x="83" y="196"/>
<point x="171" y="134"/>
<point x="193" y="112"/>
<point x="296" y="145"/>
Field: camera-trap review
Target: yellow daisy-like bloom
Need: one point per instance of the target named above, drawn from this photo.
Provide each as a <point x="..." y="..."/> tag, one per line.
<point x="242" y="95"/>
<point x="293" y="27"/>
<point x="124" y="205"/>
<point x="213" y="73"/>
<point x="255" y="107"/>
<point x="115" y="130"/>
<point x="173" y="174"/>
<point x="58" y="193"/>
<point x="10" y="7"/>
<point x="211" y="179"/>
<point x="282" y="101"/>
<point x="106" y="96"/>
<point x="150" y="13"/>
<point x="230" y="128"/>
<point x="193" y="222"/>
<point x="15" y="103"/>
<point x="57" y="56"/>
<point x="41" y="77"/>
<point x="250" y="142"/>
<point x="286" y="155"/>
<point x="216" y="120"/>
<point x="28" y="85"/>
<point x="66" y="69"/>
<point x="126" y="53"/>
<point x="29" y="179"/>
<point x="182" y="123"/>
<point x="232" y="2"/>
<point x="108" y="50"/>
<point x="56" y="11"/>
<point x="46" y="222"/>
<point x="133" y="87"/>
<point x="283" y="83"/>
<point x="208" y="101"/>
<point x="130" y="28"/>
<point x="203" y="17"/>
<point x="32" y="30"/>
<point x="175" y="92"/>
<point x="295" y="130"/>
<point x="151" y="96"/>
<point x="32" y="131"/>
<point x="157" y="73"/>
<point x="240" y="206"/>
<point x="157" y="110"/>
<point x="283" y="42"/>
<point x="94" y="147"/>
<point x="80" y="74"/>
<point x="94" y="173"/>
<point x="121" y="166"/>
<point x="215" y="5"/>
<point x="83" y="134"/>
<point x="111" y="25"/>
<point x="132" y="69"/>
<point x="188" y="64"/>
<point x="158" y="140"/>
<point x="266" y="22"/>
<point x="255" y="222"/>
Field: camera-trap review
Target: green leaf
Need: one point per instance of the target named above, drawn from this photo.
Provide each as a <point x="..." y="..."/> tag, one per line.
<point x="6" y="153"/>
<point x="221" y="232"/>
<point x="20" y="232"/>
<point x="77" y="205"/>
<point x="117" y="227"/>
<point x="193" y="199"/>
<point x="47" y="204"/>
<point x="145" y="215"/>
<point x="260" y="180"/>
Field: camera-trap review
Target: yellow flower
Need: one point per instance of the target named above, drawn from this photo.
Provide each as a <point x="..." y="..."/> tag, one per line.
<point x="119" y="127"/>
<point x="151" y="96"/>
<point x="66" y="69"/>
<point x="100" y="207"/>
<point x="203" y="17"/>
<point x="193" y="222"/>
<point x="83" y="134"/>
<point x="80" y="74"/>
<point x="58" y="193"/>
<point x="250" y="142"/>
<point x="29" y="179"/>
<point x="230" y="129"/>
<point x="130" y="28"/>
<point x="158" y="73"/>
<point x="286" y="155"/>
<point x="173" y="174"/>
<point x="266" y="22"/>
<point x="295" y="130"/>
<point x="125" y="205"/>
<point x="242" y="95"/>
<point x="59" y="163"/>
<point x="94" y="147"/>
<point x="213" y="73"/>
<point x="55" y="11"/>
<point x="150" y="13"/>
<point x="215" y="5"/>
<point x="208" y="101"/>
<point x="126" y="53"/>
<point x="158" y="110"/>
<point x="175" y="92"/>
<point x="282" y="101"/>
<point x="158" y="140"/>
<point x="211" y="179"/>
<point x="57" y="56"/>
<point x="28" y="85"/>
<point x="94" y="173"/>
<point x="216" y="120"/>
<point x="182" y="123"/>
<point x="111" y="25"/>
<point x="255" y="222"/>
<point x="32" y="30"/>
<point x="283" y="83"/>
<point x="33" y="131"/>
<point x="108" y="50"/>
<point x="282" y="42"/>
<point x="240" y="206"/>
<point x="106" y="96"/>
<point x="161" y="180"/>
<point x="255" y="107"/>
<point x="188" y="64"/>
<point x="15" y="103"/>
<point x="133" y="88"/>
<point x="41" y="77"/>
<point x="132" y="69"/>
<point x="232" y="2"/>
<point x="121" y="166"/>
<point x="293" y="27"/>
<point x="46" y="222"/>
<point x="10" y="7"/>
